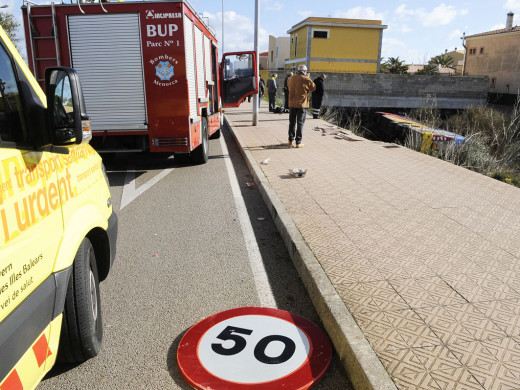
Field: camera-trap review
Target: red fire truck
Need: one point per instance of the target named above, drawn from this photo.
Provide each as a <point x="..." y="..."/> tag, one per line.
<point x="149" y="71"/>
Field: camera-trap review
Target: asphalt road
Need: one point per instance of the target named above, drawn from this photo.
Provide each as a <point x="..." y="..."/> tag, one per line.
<point x="194" y="240"/>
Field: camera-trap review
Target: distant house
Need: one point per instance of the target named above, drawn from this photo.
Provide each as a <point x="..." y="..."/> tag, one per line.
<point x="414" y="68"/>
<point x="263" y="60"/>
<point x="336" y="45"/>
<point x="496" y="54"/>
<point x="444" y="70"/>
<point x="458" y="59"/>
<point x="278" y="52"/>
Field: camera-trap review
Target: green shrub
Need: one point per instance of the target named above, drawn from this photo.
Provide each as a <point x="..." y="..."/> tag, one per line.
<point x="507" y="177"/>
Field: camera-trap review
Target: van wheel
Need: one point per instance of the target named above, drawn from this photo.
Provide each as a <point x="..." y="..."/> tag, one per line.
<point x="200" y="155"/>
<point x="82" y="328"/>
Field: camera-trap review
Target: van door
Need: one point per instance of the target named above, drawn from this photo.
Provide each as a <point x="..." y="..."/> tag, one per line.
<point x="238" y="77"/>
<point x="31" y="228"/>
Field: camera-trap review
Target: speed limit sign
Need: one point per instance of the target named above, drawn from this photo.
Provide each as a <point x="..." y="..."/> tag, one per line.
<point x="254" y="348"/>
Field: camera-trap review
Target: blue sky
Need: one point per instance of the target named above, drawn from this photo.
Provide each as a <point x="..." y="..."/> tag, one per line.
<point x="417" y="30"/>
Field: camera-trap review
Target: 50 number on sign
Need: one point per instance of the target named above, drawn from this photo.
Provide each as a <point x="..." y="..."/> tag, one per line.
<point x="260" y="348"/>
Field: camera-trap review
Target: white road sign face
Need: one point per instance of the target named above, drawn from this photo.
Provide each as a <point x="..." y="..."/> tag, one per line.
<point x="253" y="349"/>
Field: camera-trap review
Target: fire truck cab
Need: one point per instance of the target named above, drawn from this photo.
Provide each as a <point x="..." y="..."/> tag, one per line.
<point x="149" y="71"/>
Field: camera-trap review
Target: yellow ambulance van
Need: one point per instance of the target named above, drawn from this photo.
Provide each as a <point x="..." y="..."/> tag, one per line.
<point x="57" y="227"/>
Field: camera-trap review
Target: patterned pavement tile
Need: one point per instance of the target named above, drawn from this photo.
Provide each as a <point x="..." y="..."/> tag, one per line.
<point x="425" y="292"/>
<point x="493" y="363"/>
<point x="449" y="329"/>
<point x="366" y="297"/>
<point x="457" y="378"/>
<point x="412" y="329"/>
<point x="379" y="331"/>
<point x="505" y="314"/>
<point x="339" y="273"/>
<point x="407" y="370"/>
<point x="471" y="288"/>
<point x="446" y="369"/>
<point x="356" y="298"/>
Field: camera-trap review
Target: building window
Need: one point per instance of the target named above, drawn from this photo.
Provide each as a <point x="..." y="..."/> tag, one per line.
<point x="295" y="46"/>
<point x="493" y="82"/>
<point x="272" y="56"/>
<point x="472" y="51"/>
<point x="324" y="34"/>
<point x="481" y="50"/>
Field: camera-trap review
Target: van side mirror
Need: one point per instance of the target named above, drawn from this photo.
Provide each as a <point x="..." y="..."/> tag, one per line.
<point x="68" y="120"/>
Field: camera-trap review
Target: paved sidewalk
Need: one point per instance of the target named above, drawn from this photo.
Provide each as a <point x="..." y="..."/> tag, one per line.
<point x="413" y="263"/>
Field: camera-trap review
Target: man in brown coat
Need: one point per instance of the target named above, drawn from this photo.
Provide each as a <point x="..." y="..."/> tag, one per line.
<point x="300" y="85"/>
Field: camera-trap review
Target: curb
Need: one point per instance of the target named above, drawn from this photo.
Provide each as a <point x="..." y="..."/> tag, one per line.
<point x="361" y="363"/>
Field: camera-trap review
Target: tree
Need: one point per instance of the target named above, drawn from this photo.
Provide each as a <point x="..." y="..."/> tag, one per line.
<point x="429" y="69"/>
<point x="10" y="25"/>
<point x="394" y="65"/>
<point x="443" y="60"/>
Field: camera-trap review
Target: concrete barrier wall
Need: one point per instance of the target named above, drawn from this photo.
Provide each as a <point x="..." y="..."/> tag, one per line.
<point x="399" y="91"/>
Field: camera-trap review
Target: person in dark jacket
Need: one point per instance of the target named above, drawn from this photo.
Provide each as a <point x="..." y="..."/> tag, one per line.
<point x="271" y="90"/>
<point x="317" y="96"/>
<point x="286" y="92"/>
<point x="261" y="90"/>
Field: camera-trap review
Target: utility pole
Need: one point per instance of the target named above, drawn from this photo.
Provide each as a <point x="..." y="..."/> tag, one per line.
<point x="257" y="72"/>
<point x="222" y="27"/>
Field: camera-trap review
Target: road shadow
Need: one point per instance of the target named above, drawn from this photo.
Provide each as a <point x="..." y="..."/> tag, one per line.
<point x="171" y="363"/>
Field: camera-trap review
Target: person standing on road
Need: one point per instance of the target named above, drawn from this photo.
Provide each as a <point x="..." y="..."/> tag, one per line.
<point x="300" y="85"/>
<point x="271" y="90"/>
<point x="286" y="92"/>
<point x="317" y="96"/>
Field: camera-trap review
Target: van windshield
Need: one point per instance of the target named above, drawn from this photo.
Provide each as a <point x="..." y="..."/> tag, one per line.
<point x="12" y="126"/>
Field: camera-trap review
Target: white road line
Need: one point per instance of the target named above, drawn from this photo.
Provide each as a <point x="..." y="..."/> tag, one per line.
<point x="261" y="281"/>
<point x="129" y="191"/>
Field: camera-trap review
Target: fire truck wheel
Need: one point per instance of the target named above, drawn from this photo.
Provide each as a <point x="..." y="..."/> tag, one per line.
<point x="216" y="134"/>
<point x="200" y="155"/>
<point x="82" y="329"/>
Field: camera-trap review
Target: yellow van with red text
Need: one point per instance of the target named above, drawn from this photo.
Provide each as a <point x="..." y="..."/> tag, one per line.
<point x="57" y="227"/>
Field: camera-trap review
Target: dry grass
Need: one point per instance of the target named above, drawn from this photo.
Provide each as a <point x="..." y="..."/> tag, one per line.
<point x="492" y="145"/>
<point x="350" y="120"/>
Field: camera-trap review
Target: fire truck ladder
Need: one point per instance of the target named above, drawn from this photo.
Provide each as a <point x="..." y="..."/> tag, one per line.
<point x="38" y="40"/>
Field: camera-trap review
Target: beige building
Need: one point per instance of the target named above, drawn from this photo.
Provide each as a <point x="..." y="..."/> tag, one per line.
<point x="278" y="52"/>
<point x="442" y="69"/>
<point x="263" y="60"/>
<point x="496" y="54"/>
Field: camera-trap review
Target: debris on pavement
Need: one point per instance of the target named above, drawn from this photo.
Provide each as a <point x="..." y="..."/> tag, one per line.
<point x="298" y="172"/>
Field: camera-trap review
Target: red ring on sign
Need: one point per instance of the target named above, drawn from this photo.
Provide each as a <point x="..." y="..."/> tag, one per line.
<point x="304" y="377"/>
